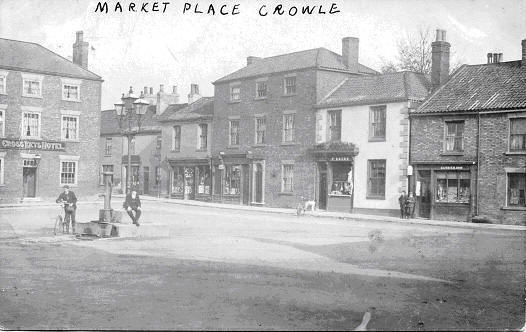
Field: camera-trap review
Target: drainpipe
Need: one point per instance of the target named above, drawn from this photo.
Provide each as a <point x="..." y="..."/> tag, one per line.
<point x="478" y="165"/>
<point x="409" y="147"/>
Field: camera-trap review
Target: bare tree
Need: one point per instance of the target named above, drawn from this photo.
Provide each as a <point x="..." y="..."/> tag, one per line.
<point x="414" y="54"/>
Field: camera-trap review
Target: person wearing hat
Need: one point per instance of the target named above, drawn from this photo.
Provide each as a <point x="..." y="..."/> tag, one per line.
<point x="69" y="200"/>
<point x="133" y="204"/>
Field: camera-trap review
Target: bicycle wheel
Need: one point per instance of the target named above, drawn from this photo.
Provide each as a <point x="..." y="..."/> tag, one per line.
<point x="58" y="225"/>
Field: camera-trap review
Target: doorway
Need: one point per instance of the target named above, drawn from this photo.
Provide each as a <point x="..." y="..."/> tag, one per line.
<point x="30" y="181"/>
<point x="258" y="185"/>
<point x="424" y="199"/>
<point x="322" y="204"/>
<point x="246" y="185"/>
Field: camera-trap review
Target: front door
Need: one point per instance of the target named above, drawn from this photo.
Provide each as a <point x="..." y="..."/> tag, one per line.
<point x="258" y="188"/>
<point x="30" y="183"/>
<point x="189" y="192"/>
<point x="146" y="180"/>
<point x="424" y="198"/>
<point x="323" y="187"/>
<point x="245" y="183"/>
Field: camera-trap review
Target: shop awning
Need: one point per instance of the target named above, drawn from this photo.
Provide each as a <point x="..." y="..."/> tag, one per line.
<point x="334" y="151"/>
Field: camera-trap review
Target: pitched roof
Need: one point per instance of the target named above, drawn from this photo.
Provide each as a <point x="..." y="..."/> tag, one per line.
<point x="480" y="87"/>
<point x="318" y="57"/>
<point x="26" y="56"/>
<point x="203" y="108"/>
<point x="371" y="89"/>
<point x="109" y="124"/>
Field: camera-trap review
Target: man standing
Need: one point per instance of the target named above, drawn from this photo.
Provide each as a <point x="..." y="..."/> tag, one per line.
<point x="133" y="204"/>
<point x="402" y="200"/>
<point x="69" y="200"/>
<point x="410" y="206"/>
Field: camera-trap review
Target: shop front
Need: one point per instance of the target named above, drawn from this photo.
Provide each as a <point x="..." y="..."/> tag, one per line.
<point x="335" y="175"/>
<point x="232" y="178"/>
<point x="191" y="179"/>
<point x="444" y="191"/>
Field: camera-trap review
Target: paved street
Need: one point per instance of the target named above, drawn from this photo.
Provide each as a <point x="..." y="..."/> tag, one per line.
<point x="229" y="269"/>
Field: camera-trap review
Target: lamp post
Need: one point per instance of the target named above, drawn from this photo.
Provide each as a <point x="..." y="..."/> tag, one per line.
<point x="129" y="115"/>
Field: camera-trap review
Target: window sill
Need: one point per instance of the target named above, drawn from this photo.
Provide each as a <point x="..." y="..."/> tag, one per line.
<point x="514" y="153"/>
<point x="201" y="150"/>
<point x="380" y="198"/>
<point x="291" y="95"/>
<point x="29" y="96"/>
<point x="175" y="151"/>
<point x="70" y="140"/>
<point x="513" y="208"/>
<point x="261" y="145"/>
<point x="450" y="203"/>
<point x="72" y="100"/>
<point x="68" y="184"/>
<point x="342" y="195"/>
<point x="289" y="143"/>
<point x="233" y="147"/>
<point x="31" y="138"/>
<point x="234" y="101"/>
<point x="452" y="153"/>
<point x="281" y="193"/>
<point x="261" y="98"/>
<point x="377" y="139"/>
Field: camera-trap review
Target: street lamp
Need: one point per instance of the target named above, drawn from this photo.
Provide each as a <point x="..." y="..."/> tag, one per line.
<point x="129" y="113"/>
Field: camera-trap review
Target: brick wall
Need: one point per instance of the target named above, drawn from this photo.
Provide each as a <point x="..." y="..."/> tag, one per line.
<point x="51" y="105"/>
<point x="273" y="151"/>
<point x="494" y="159"/>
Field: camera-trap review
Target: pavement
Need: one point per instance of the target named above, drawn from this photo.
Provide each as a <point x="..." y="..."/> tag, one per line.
<point x="317" y="213"/>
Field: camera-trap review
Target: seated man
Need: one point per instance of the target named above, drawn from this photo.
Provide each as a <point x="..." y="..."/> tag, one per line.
<point x="133" y="204"/>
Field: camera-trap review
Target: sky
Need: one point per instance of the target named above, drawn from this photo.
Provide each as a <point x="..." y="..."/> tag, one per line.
<point x="171" y="48"/>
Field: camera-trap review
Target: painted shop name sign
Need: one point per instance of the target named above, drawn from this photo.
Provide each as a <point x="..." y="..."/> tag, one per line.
<point x="341" y="159"/>
<point x="449" y="168"/>
<point x="35" y="145"/>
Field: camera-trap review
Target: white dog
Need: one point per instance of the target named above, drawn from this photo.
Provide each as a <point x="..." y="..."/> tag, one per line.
<point x="310" y="205"/>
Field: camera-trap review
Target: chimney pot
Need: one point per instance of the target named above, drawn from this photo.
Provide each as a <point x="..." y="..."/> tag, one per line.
<point x="161" y="88"/>
<point x="151" y="90"/>
<point x="490" y="57"/>
<point x="439" y="60"/>
<point x="145" y="90"/>
<point x="174" y="89"/>
<point x="80" y="36"/>
<point x="523" y="43"/>
<point x="350" y="53"/>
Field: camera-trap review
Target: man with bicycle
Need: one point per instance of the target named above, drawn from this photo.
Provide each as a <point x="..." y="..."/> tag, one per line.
<point x="69" y="201"/>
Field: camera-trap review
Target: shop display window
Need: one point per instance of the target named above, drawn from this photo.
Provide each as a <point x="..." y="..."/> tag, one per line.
<point x="232" y="179"/>
<point x="453" y="187"/>
<point x="177" y="180"/>
<point x="341" y="180"/>
<point x="203" y="180"/>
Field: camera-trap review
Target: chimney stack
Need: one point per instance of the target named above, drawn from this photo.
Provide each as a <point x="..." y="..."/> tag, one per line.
<point x="145" y="90"/>
<point x="252" y="60"/>
<point x="350" y="51"/>
<point x="161" y="88"/>
<point x="151" y="90"/>
<point x="194" y="93"/>
<point x="80" y="51"/>
<point x="490" y="57"/>
<point x="174" y="89"/>
<point x="524" y="53"/>
<point x="439" y="60"/>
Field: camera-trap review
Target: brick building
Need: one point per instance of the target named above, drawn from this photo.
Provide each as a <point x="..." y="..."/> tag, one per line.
<point x="145" y="148"/>
<point x="49" y="121"/>
<point x="264" y="124"/>
<point x="186" y="154"/>
<point x="371" y="113"/>
<point x="468" y="145"/>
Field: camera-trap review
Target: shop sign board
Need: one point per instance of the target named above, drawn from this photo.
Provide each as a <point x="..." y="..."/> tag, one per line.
<point x="341" y="159"/>
<point x="18" y="144"/>
<point x="453" y="168"/>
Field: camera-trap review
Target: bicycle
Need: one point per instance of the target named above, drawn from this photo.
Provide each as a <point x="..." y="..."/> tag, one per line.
<point x="61" y="225"/>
